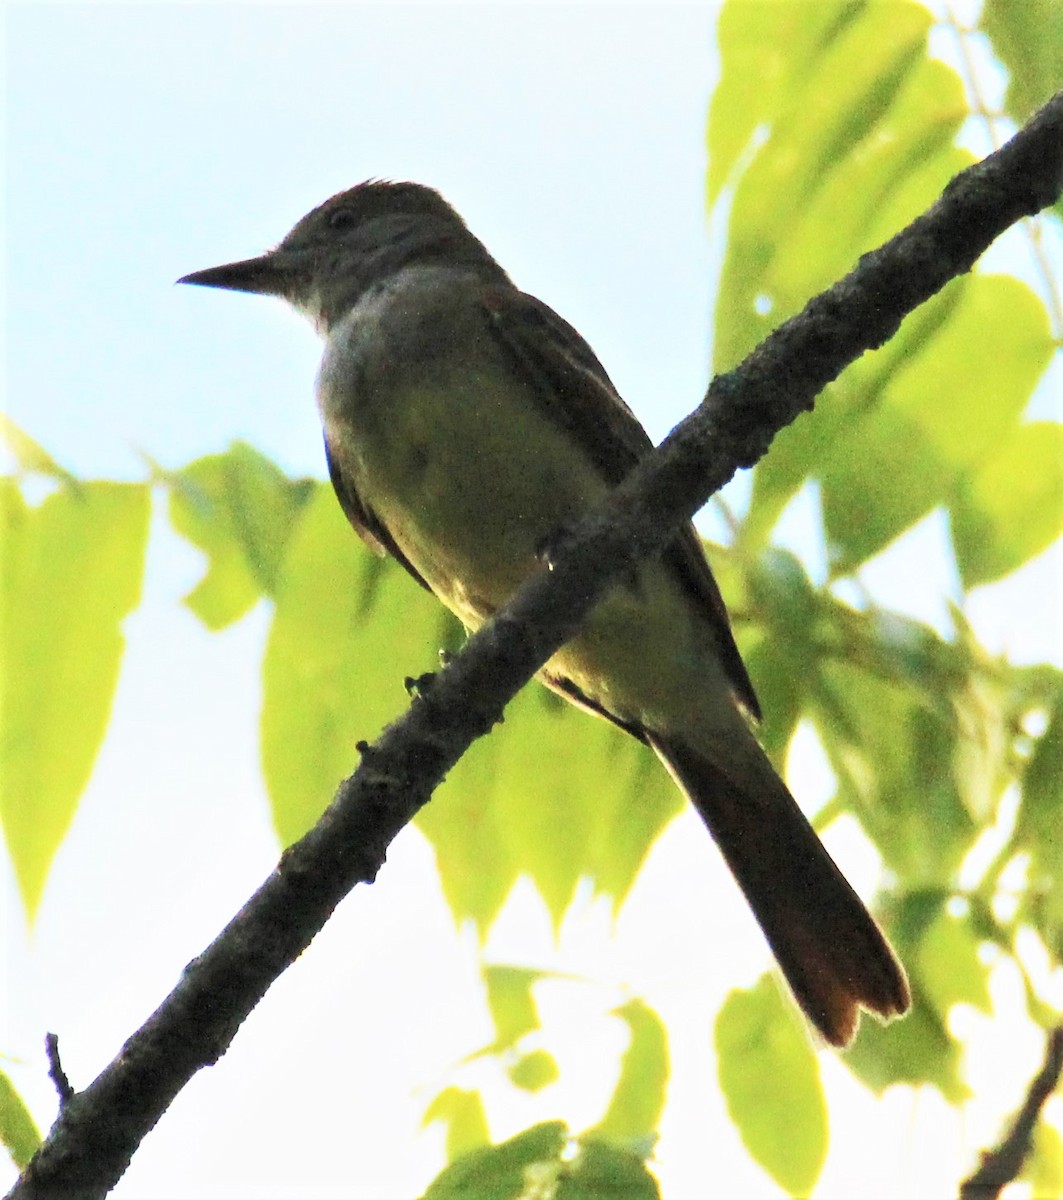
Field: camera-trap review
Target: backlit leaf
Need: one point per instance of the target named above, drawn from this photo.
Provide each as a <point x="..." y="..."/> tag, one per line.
<point x="510" y="999"/>
<point x="523" y="1168"/>
<point x="602" y="1171"/>
<point x="463" y="1114"/>
<point x="919" y="1048"/>
<point x="770" y="1079"/>
<point x="1010" y="508"/>
<point x="18" y="1131"/>
<point x="1043" y="1170"/>
<point x="347" y="629"/>
<point x="72" y="571"/>
<point x="949" y="968"/>
<point x="1028" y="38"/>
<point x="894" y="757"/>
<point x="534" y="1071"/>
<point x="1037" y="830"/>
<point x="846" y="65"/>
<point x="906" y="455"/>
<point x="638" y="1099"/>
<point x="239" y="508"/>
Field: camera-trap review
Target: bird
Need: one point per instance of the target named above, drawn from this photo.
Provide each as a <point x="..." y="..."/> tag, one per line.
<point x="467" y="426"/>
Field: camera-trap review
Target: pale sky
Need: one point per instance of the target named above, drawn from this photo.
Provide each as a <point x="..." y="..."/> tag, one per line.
<point x="147" y="141"/>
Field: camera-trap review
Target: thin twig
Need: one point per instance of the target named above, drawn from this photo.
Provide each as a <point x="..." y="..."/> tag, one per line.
<point x="55" y="1070"/>
<point x="1002" y="1165"/>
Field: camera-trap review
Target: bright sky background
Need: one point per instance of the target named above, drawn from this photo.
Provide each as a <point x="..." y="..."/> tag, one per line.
<point x="147" y="141"/>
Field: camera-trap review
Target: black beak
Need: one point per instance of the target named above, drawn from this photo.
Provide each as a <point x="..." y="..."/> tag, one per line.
<point x="269" y="275"/>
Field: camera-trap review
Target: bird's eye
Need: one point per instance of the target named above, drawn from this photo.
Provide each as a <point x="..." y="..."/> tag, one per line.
<point x="342" y="218"/>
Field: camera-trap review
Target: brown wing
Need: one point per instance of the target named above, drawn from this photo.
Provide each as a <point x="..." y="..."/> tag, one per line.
<point x="363" y="520"/>
<point x="578" y="394"/>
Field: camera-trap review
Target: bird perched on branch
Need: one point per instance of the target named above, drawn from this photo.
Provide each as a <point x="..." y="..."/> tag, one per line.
<point x="467" y="426"/>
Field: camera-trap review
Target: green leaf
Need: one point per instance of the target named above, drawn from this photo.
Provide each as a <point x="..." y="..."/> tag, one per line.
<point x="770" y="1079"/>
<point x="992" y="349"/>
<point x="782" y="594"/>
<point x="600" y="1171"/>
<point x="532" y="1072"/>
<point x="239" y="508"/>
<point x="1043" y="1170"/>
<point x="984" y="763"/>
<point x="632" y="808"/>
<point x="895" y="171"/>
<point x="31" y="455"/>
<point x="758" y="46"/>
<point x="463" y="1114"/>
<point x="521" y="1169"/>
<point x="545" y="803"/>
<point x="894" y="757"/>
<point x="638" y="1100"/>
<point x="905" y="652"/>
<point x="1011" y="508"/>
<point x="785" y="656"/>
<point x="347" y="629"/>
<point x="1037" y="830"/>
<point x="467" y="831"/>
<point x="875" y="119"/>
<point x="1028" y="39"/>
<point x="949" y="968"/>
<point x="542" y="1163"/>
<point x="516" y="801"/>
<point x="917" y="1050"/>
<point x="1042" y="788"/>
<point x="801" y="449"/>
<point x="859" y="126"/>
<point x="18" y="1131"/>
<point x="846" y="66"/>
<point x="72" y="571"/>
<point x="510" y="999"/>
<point x="778" y="680"/>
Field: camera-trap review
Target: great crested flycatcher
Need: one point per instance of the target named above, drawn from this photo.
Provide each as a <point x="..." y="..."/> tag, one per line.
<point x="466" y="425"/>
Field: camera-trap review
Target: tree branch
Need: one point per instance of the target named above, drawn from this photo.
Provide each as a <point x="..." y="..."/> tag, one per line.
<point x="99" y="1129"/>
<point x="1003" y="1164"/>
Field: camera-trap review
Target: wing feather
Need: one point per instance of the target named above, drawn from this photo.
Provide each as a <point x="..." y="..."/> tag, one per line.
<point x="578" y="394"/>
<point x="363" y="520"/>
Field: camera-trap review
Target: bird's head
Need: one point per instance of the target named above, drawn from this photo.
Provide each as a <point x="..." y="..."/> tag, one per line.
<point x="355" y="239"/>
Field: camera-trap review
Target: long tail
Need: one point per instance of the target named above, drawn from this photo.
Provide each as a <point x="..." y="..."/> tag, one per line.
<point x="832" y="953"/>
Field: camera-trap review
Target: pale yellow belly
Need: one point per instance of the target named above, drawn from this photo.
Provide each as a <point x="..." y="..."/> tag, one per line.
<point x="471" y="479"/>
<point x="471" y="484"/>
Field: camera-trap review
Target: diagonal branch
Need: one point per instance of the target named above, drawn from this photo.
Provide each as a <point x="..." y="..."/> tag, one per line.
<point x="99" y="1129"/>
